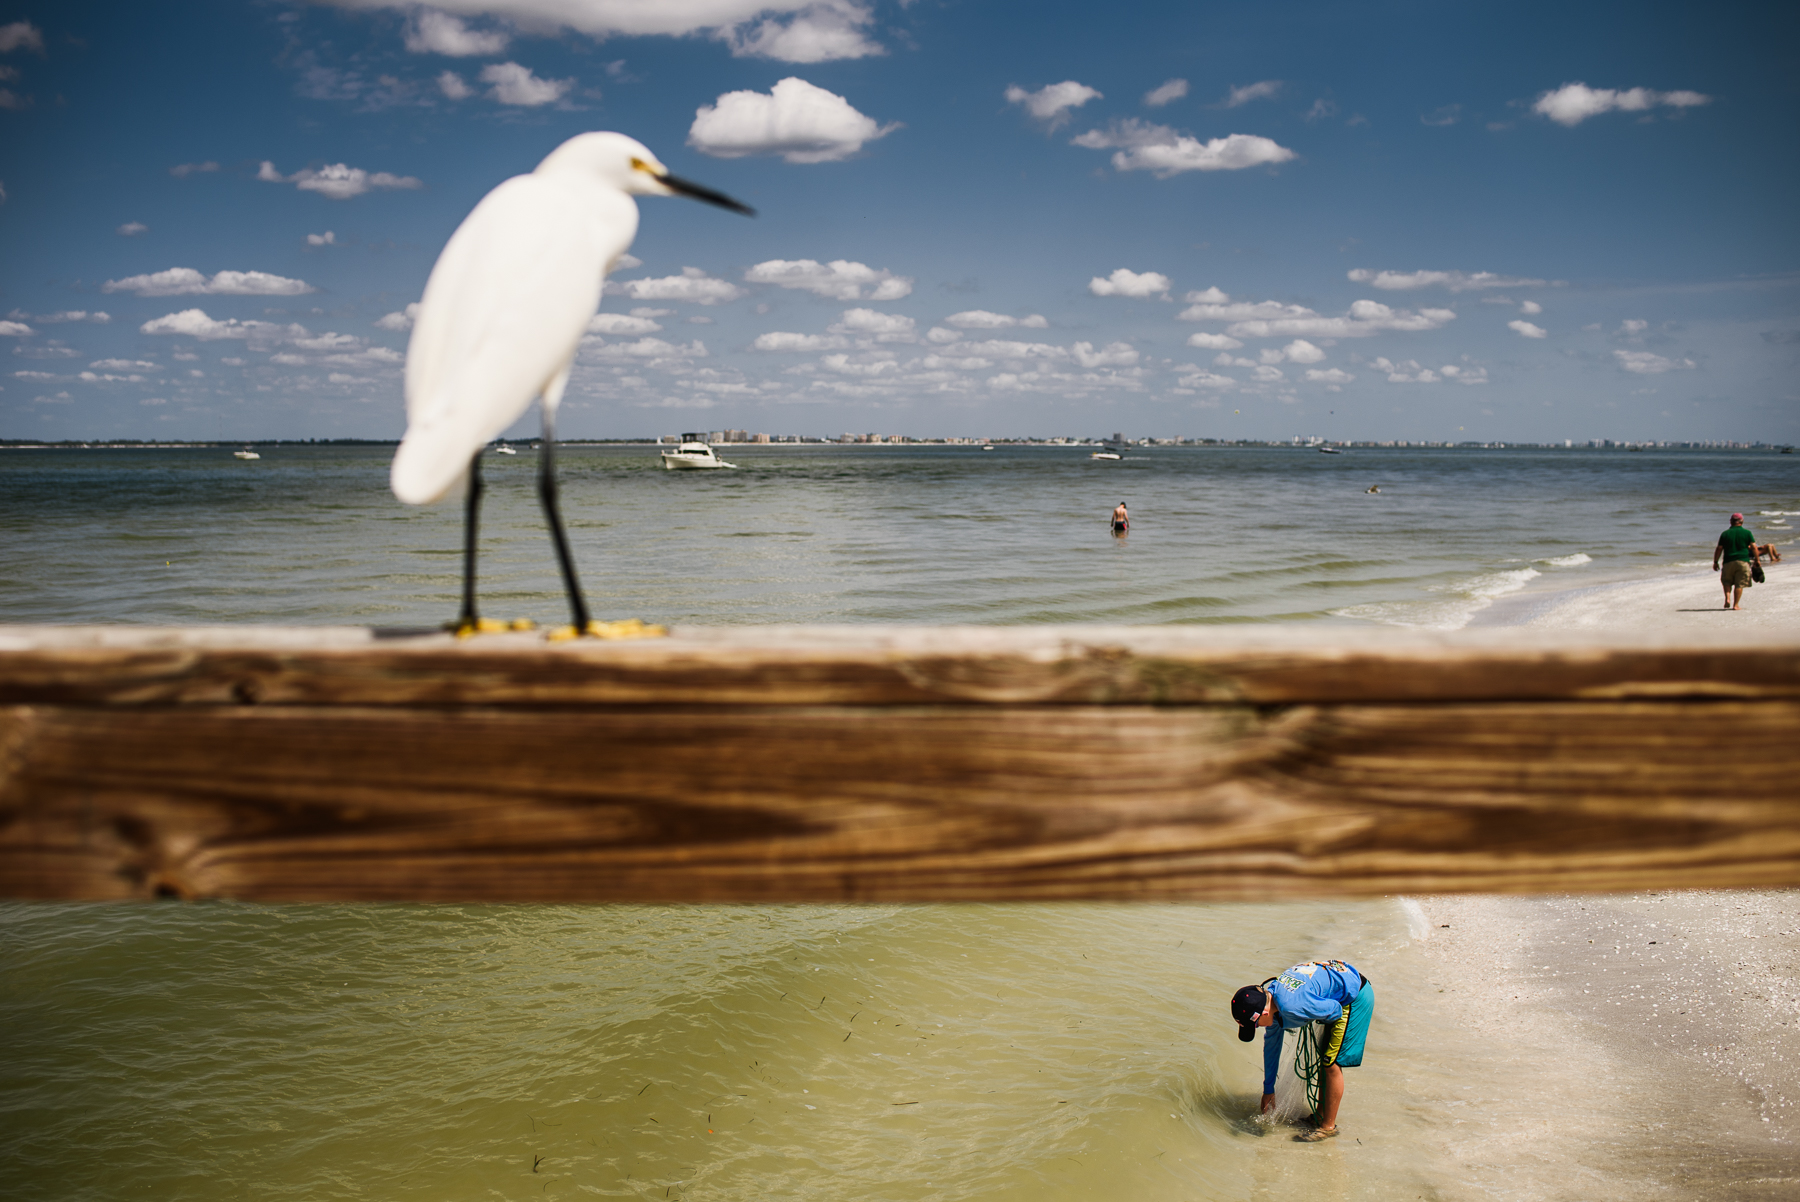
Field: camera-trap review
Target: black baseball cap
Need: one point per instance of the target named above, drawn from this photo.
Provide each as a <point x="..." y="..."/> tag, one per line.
<point x="1247" y="1005"/>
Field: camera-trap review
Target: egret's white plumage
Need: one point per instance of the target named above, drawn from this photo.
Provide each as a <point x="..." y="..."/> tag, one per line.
<point x="503" y="314"/>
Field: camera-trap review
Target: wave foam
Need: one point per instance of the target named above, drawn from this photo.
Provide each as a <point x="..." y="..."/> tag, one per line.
<point x="1569" y="561"/>
<point x="1452" y="612"/>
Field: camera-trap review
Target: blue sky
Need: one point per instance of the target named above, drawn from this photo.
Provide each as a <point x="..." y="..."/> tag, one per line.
<point x="1404" y="220"/>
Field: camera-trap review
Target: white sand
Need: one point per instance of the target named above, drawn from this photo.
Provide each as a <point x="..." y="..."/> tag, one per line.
<point x="1664" y="604"/>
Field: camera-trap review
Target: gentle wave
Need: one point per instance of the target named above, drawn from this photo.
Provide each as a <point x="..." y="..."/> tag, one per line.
<point x="1451" y="612"/>
<point x="1569" y="561"/>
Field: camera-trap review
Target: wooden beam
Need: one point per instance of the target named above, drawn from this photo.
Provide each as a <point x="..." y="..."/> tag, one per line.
<point x="889" y="764"/>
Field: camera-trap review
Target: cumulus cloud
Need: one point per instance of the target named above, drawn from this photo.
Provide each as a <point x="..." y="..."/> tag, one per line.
<point x="981" y="319"/>
<point x="1214" y="342"/>
<point x="1526" y="330"/>
<point x="1167" y="93"/>
<point x="1053" y="103"/>
<point x="132" y="229"/>
<point x="1644" y="363"/>
<point x="124" y="365"/>
<point x="1143" y="146"/>
<point x="840" y="279"/>
<point x="1530" y="308"/>
<point x="434" y="32"/>
<point x="21" y="35"/>
<point x="16" y="329"/>
<point x="1297" y="351"/>
<point x="869" y="323"/>
<point x="517" y="86"/>
<point x="1272" y="319"/>
<point x="1201" y="378"/>
<point x="645" y="348"/>
<point x="1455" y="281"/>
<point x="98" y="317"/>
<point x="781" y="341"/>
<point x="1412" y="372"/>
<point x="1113" y="354"/>
<point x="822" y="32"/>
<point x="1252" y="91"/>
<point x="692" y="285"/>
<point x="185" y="281"/>
<point x="325" y="239"/>
<point x="622" y="324"/>
<point x="796" y="120"/>
<point x="400" y="319"/>
<point x="454" y="86"/>
<point x="183" y="170"/>
<point x="194" y="323"/>
<point x="1328" y="375"/>
<point x="1126" y="282"/>
<point x="1574" y="103"/>
<point x="336" y="181"/>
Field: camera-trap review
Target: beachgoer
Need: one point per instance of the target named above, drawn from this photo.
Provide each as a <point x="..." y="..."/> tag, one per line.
<point x="1121" y="520"/>
<point x="1736" y="545"/>
<point x="1768" y="551"/>
<point x="1319" y="991"/>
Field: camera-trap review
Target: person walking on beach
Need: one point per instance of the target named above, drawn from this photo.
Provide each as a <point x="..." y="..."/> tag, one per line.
<point x="1329" y="991"/>
<point x="1121" y="520"/>
<point x="1737" y="546"/>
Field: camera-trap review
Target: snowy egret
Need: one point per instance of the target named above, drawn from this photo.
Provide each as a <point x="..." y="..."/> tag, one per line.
<point x="502" y="317"/>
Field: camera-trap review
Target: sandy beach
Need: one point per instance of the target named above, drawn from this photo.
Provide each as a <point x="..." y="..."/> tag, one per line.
<point x="1687" y="598"/>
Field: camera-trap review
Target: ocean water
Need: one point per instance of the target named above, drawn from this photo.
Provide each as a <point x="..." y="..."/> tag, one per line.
<point x="224" y="1051"/>
<point x="868" y="534"/>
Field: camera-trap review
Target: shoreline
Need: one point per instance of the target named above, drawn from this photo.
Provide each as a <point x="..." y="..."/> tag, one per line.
<point x="1678" y="599"/>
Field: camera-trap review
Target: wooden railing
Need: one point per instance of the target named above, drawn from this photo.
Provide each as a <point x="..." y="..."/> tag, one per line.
<point x="889" y="763"/>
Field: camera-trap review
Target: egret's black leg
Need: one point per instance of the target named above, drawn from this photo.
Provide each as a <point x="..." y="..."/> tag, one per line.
<point x="553" y="514"/>
<point x="471" y="515"/>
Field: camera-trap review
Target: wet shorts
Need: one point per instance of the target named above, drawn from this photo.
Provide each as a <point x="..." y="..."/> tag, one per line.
<point x="1343" y="1044"/>
<point x="1735" y="573"/>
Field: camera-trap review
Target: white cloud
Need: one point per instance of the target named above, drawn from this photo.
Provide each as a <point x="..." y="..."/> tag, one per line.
<point x="981" y="319"/>
<point x="1201" y="378"/>
<point x="822" y="32"/>
<point x="1003" y="348"/>
<point x="781" y="341"/>
<point x="325" y="239"/>
<point x="645" y="348"/>
<point x="1631" y="327"/>
<point x="124" y="365"/>
<point x="1644" y="363"/>
<point x="132" y="229"/>
<point x="182" y="170"/>
<point x="1163" y="152"/>
<point x="337" y="181"/>
<point x="1214" y="342"/>
<point x="400" y="319"/>
<point x="796" y="120"/>
<point x="1526" y="330"/>
<point x="16" y="329"/>
<point x="1328" y="375"/>
<point x="434" y="32"/>
<point x="185" y="281"/>
<point x="1412" y="372"/>
<point x="1455" y="281"/>
<point x="883" y="327"/>
<point x="692" y="285"/>
<point x="1464" y="375"/>
<point x="1126" y="282"/>
<point x="621" y="323"/>
<point x="1267" y="374"/>
<point x="1574" y="103"/>
<point x="517" y="86"/>
<point x="454" y="86"/>
<point x="1167" y="93"/>
<point x="1053" y="103"/>
<point x="194" y="323"/>
<point x="1297" y="351"/>
<point x="1272" y="319"/>
<point x="21" y="35"/>
<point x="65" y="315"/>
<point x="1113" y="354"/>
<point x="840" y="279"/>
<point x="1530" y="308"/>
<point x="1252" y="91"/>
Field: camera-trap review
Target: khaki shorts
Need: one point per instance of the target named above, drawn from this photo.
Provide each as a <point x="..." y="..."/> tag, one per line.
<point x="1735" y="573"/>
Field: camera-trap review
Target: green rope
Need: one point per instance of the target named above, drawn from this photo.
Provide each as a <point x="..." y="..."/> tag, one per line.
<point x="1308" y="1064"/>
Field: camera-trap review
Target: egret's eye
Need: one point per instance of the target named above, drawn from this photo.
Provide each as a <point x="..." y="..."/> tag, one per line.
<point x="638" y="164"/>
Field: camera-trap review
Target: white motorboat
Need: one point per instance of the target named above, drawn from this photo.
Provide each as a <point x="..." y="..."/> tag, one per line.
<point x="1329" y="451"/>
<point x="1105" y="455"/>
<point x="246" y="453"/>
<point x="501" y="448"/>
<point x="694" y="453"/>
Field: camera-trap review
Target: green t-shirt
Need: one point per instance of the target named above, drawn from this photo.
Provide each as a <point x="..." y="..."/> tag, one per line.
<point x="1737" y="542"/>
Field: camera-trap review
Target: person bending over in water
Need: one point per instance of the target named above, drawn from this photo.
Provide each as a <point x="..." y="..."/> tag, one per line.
<point x="1121" y="520"/>
<point x="1766" y="551"/>
<point x="1321" y="990"/>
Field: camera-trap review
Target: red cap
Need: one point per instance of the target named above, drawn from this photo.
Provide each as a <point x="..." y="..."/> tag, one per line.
<point x="1737" y="517"/>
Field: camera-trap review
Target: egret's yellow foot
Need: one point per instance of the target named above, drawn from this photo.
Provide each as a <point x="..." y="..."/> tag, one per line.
<point x="464" y="630"/>
<point x="625" y="628"/>
<point x="521" y="624"/>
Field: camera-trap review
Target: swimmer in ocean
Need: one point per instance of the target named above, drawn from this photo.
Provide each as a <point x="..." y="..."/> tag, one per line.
<point x="1373" y="488"/>
<point x="1121" y="520"/>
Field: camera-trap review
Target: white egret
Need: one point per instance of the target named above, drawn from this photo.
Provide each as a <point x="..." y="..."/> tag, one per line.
<point x="502" y="317"/>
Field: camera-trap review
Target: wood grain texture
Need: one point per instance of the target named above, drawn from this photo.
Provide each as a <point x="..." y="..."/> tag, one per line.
<point x="920" y="802"/>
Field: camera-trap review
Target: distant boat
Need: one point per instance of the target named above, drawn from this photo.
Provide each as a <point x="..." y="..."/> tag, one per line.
<point x="694" y="453"/>
<point x="1105" y="455"/>
<point x="1329" y="451"/>
<point x="501" y="448"/>
<point x="246" y="453"/>
<point x="988" y="447"/>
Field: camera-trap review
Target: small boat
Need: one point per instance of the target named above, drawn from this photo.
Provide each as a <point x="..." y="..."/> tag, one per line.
<point x="501" y="448"/>
<point x="1105" y="455"/>
<point x="988" y="447"/>
<point x="246" y="453"/>
<point x="1329" y="451"/>
<point x="694" y="453"/>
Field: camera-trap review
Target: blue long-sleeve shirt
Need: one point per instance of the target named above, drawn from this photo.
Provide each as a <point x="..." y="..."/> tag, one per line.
<point x="1306" y="993"/>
